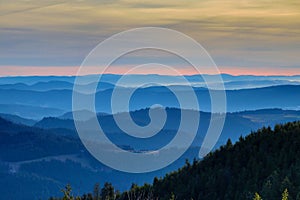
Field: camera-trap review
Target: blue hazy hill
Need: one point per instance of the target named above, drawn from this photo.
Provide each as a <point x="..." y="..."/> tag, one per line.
<point x="40" y="149"/>
<point x="26" y="103"/>
<point x="50" y="85"/>
<point x="113" y="78"/>
<point x="45" y="157"/>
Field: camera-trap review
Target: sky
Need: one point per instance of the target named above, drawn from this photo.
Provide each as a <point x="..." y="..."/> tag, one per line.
<point x="53" y="37"/>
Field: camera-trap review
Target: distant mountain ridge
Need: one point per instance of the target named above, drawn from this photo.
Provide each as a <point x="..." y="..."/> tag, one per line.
<point x="57" y="102"/>
<point x="29" y="111"/>
<point x="50" y="85"/>
<point x="18" y="120"/>
<point x="236" y="124"/>
<point x="113" y="78"/>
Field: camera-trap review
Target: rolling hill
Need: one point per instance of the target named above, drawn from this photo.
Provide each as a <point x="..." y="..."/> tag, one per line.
<point x="264" y="163"/>
<point x="49" y="155"/>
<point x="55" y="102"/>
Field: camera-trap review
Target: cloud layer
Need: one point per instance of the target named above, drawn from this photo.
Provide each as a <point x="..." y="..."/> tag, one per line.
<point x="246" y="34"/>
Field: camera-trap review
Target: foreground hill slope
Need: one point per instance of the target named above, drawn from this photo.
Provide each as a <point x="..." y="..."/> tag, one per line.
<point x="267" y="161"/>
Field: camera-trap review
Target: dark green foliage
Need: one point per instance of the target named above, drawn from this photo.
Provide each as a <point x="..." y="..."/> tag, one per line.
<point x="257" y="197"/>
<point x="108" y="192"/>
<point x="266" y="162"/>
<point x="97" y="194"/>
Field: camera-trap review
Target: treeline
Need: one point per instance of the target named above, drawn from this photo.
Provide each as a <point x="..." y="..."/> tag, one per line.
<point x="262" y="165"/>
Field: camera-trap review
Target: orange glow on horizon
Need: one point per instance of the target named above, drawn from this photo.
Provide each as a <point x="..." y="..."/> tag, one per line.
<point x="260" y="71"/>
<point x="72" y="71"/>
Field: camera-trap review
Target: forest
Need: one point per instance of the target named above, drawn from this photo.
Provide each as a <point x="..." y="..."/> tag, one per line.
<point x="263" y="165"/>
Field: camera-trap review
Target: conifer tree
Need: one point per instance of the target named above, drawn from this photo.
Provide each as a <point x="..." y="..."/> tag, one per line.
<point x="285" y="195"/>
<point x="257" y="197"/>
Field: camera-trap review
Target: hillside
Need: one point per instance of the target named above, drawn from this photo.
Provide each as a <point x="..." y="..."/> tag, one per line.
<point x="46" y="158"/>
<point x="236" y="124"/>
<point x="267" y="162"/>
<point x="20" y="143"/>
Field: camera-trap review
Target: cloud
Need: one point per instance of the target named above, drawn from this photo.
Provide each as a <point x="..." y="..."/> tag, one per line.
<point x="236" y="33"/>
<point x="30" y="8"/>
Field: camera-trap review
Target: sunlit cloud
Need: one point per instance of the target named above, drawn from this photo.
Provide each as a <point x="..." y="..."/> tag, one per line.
<point x="257" y="34"/>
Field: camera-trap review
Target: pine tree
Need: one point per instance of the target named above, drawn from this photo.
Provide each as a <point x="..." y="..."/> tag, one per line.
<point x="285" y="195"/>
<point x="67" y="193"/>
<point x="228" y="144"/>
<point x="172" y="196"/>
<point x="97" y="192"/>
<point x="108" y="192"/>
<point x="257" y="197"/>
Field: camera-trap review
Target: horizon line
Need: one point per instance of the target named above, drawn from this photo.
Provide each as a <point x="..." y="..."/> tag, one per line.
<point x="119" y="74"/>
<point x="26" y="71"/>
